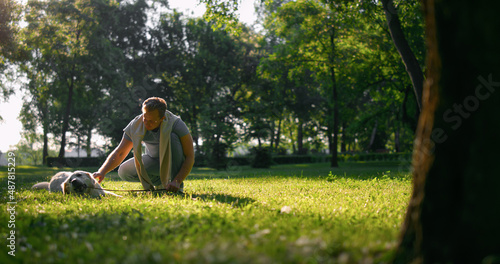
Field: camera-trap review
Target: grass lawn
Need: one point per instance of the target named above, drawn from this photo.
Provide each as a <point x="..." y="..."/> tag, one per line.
<point x="305" y="213"/>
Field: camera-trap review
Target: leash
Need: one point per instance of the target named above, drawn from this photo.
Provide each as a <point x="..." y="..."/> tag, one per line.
<point x="110" y="190"/>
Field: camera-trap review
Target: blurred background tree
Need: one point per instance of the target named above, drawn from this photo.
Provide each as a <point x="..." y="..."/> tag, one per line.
<point x="317" y="77"/>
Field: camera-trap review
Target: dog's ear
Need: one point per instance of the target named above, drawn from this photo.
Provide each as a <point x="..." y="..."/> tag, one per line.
<point x="65" y="187"/>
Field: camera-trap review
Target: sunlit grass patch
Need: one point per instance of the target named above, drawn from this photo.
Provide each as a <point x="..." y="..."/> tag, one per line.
<point x="286" y="214"/>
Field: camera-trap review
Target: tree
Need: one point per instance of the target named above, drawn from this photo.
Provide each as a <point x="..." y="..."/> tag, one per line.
<point x="379" y="90"/>
<point x="57" y="36"/>
<point x="309" y="32"/>
<point x="453" y="213"/>
<point x="39" y="109"/>
<point x="219" y="68"/>
<point x="174" y="45"/>
<point x="7" y="30"/>
<point x="407" y="55"/>
<point x="10" y="53"/>
<point x="8" y="36"/>
<point x="270" y="101"/>
<point x="124" y="50"/>
<point x="86" y="66"/>
<point x="342" y="17"/>
<point x="28" y="149"/>
<point x="205" y="78"/>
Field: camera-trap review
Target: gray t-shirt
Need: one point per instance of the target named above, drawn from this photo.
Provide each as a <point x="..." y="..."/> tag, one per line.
<point x="152" y="138"/>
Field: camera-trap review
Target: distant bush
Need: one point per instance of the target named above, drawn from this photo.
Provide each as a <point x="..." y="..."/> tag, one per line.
<point x="75" y="162"/>
<point x="200" y="160"/>
<point x="240" y="161"/>
<point x="261" y="158"/>
<point x="295" y="159"/>
<point x="378" y="157"/>
<point x="218" y="159"/>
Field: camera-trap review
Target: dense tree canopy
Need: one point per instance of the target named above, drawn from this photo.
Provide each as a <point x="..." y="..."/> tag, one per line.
<point x="319" y="77"/>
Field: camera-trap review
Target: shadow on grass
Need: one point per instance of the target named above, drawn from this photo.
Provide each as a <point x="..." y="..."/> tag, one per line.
<point x="222" y="198"/>
<point x="234" y="201"/>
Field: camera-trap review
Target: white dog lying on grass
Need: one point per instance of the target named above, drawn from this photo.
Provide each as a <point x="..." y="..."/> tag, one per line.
<point x="78" y="182"/>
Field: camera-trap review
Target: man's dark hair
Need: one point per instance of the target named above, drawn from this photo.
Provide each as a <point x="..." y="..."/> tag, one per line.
<point x="155" y="103"/>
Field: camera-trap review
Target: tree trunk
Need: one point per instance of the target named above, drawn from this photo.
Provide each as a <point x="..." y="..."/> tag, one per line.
<point x="333" y="147"/>
<point x="278" y="134"/>
<point x="272" y="136"/>
<point x="300" y="137"/>
<point x="410" y="61"/>
<point x="405" y="118"/>
<point x="193" y="127"/>
<point x="397" y="145"/>
<point x="343" y="143"/>
<point x="88" y="143"/>
<point x="65" y="125"/>
<point x="372" y="137"/>
<point x="45" y="152"/>
<point x="454" y="214"/>
<point x="71" y="86"/>
<point x="294" y="149"/>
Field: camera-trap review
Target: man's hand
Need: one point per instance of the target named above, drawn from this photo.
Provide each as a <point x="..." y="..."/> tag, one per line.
<point x="98" y="176"/>
<point x="173" y="186"/>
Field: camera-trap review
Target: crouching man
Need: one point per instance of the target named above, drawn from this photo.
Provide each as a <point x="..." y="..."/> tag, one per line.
<point x="169" y="155"/>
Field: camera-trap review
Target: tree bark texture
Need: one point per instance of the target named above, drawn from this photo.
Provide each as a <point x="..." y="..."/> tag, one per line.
<point x="454" y="212"/>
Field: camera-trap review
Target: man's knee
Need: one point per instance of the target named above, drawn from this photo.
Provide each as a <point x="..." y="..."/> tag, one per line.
<point x="121" y="171"/>
<point x="125" y="173"/>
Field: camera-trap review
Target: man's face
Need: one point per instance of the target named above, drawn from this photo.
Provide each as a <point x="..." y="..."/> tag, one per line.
<point x="151" y="119"/>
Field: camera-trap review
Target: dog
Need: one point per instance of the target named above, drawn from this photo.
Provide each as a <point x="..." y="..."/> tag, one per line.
<point x="77" y="182"/>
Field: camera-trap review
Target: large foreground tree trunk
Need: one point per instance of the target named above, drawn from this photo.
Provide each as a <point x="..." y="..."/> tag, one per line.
<point x="454" y="212"/>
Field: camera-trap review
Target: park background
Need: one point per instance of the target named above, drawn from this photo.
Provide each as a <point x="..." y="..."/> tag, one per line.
<point x="303" y="122"/>
<point x="314" y="74"/>
<point x="297" y="78"/>
<point x="10" y="107"/>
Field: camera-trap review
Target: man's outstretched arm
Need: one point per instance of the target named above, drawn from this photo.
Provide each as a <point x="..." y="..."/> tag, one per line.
<point x="114" y="159"/>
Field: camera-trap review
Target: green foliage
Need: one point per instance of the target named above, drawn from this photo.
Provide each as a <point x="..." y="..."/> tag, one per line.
<point x="73" y="65"/>
<point x="311" y="158"/>
<point x="29" y="151"/>
<point x="7" y="17"/>
<point x="292" y="214"/>
<point x="222" y="13"/>
<point x="274" y="87"/>
<point x="10" y="52"/>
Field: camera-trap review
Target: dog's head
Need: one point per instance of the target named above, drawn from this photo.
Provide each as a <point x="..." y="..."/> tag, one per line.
<point x="80" y="182"/>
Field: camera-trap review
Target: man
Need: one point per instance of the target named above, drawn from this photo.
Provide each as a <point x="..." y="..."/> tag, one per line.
<point x="169" y="155"/>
